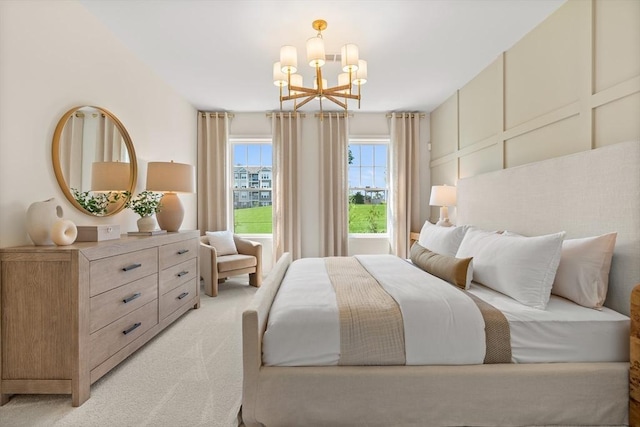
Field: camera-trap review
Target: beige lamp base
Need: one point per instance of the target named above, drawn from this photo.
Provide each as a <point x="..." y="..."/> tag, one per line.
<point x="444" y="217"/>
<point x="171" y="212"/>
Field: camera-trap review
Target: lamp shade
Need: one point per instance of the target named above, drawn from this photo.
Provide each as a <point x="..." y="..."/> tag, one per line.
<point x="349" y="54"/>
<point x="289" y="59"/>
<point x="170" y="177"/>
<point x="110" y="176"/>
<point x="443" y="195"/>
<point x="315" y="52"/>
<point x="361" y="74"/>
<point x="296" y="80"/>
<point x="279" y="78"/>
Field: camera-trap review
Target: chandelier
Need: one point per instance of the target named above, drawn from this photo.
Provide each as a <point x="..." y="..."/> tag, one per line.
<point x="354" y="73"/>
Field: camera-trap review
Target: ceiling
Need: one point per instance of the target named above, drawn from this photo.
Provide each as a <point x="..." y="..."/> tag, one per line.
<point x="219" y="54"/>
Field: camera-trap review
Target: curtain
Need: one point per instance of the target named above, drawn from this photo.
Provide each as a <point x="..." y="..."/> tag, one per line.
<point x="286" y="128"/>
<point x="334" y="223"/>
<point x="71" y="151"/>
<point x="109" y="143"/>
<point x="404" y="183"/>
<point x="213" y="181"/>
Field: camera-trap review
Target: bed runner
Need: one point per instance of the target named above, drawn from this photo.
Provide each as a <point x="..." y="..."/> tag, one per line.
<point x="496" y="332"/>
<point x="371" y="327"/>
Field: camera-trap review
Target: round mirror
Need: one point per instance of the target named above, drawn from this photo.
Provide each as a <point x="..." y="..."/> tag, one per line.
<point x="94" y="160"/>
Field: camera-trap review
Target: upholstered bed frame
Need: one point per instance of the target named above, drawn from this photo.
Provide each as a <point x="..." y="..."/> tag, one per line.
<point x="585" y="194"/>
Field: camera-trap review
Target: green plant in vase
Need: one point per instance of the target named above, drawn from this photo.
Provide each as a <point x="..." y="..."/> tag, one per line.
<point x="144" y="204"/>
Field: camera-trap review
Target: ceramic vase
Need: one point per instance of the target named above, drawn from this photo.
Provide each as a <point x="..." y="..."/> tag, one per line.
<point x="147" y="223"/>
<point x="40" y="219"/>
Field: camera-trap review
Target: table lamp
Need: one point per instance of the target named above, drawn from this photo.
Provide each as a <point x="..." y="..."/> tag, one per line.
<point x="170" y="178"/>
<point x="443" y="196"/>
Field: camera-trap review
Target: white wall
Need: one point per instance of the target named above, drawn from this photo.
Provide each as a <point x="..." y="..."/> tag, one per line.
<point x="360" y="125"/>
<point x="56" y="55"/>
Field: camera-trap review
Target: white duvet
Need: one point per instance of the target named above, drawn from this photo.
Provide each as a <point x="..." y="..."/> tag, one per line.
<point x="442" y="325"/>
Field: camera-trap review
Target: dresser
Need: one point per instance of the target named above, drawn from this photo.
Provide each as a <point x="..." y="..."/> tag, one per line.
<point x="69" y="314"/>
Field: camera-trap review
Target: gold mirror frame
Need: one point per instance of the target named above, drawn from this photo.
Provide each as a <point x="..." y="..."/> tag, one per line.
<point x="57" y="168"/>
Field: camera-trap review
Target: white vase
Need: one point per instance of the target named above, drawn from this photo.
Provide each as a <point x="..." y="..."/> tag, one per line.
<point x="147" y="223"/>
<point x="40" y="219"/>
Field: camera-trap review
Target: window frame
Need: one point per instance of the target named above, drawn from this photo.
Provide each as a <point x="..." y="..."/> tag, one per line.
<point x="237" y="140"/>
<point x="376" y="140"/>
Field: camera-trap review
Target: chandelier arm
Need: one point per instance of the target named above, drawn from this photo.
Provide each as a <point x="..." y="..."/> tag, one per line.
<point x="304" y="89"/>
<point x="332" y="99"/>
<point x="306" y="100"/>
<point x="337" y="89"/>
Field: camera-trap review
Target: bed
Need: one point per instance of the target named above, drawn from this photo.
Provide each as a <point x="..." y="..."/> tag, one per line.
<point x="584" y="194"/>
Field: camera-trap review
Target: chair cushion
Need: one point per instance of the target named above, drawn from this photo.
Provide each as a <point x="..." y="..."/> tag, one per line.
<point x="223" y="242"/>
<point x="235" y="262"/>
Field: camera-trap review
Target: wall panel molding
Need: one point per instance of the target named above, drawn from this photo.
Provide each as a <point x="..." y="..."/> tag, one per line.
<point x="588" y="31"/>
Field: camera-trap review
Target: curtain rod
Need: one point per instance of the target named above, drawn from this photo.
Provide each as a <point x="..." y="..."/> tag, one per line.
<point x="340" y="114"/>
<point x="421" y="115"/>
<point x="286" y="113"/>
<point x="216" y="114"/>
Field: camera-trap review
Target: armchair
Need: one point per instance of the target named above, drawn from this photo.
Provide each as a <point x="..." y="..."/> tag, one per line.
<point x="216" y="268"/>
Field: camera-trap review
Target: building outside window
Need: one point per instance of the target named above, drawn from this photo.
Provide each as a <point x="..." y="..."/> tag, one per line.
<point x="368" y="186"/>
<point x="252" y="186"/>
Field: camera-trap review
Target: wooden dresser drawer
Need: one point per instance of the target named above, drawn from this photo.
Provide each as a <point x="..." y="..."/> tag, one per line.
<point x="113" y="304"/>
<point x="175" y="253"/>
<point x="109" y="273"/>
<point x="177" y="297"/>
<point x="108" y="340"/>
<point x="174" y="276"/>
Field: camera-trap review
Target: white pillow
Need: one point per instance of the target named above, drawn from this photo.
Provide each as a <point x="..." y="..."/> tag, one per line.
<point x="441" y="240"/>
<point x="223" y="242"/>
<point x="583" y="273"/>
<point x="520" y="267"/>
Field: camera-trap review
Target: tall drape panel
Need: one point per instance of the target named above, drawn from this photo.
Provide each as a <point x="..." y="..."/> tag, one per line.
<point x="286" y="128"/>
<point x="334" y="185"/>
<point x="109" y="142"/>
<point x="213" y="174"/>
<point x="404" y="182"/>
<point x="71" y="151"/>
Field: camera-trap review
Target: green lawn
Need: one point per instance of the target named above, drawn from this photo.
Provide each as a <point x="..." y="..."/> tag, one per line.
<point x="362" y="219"/>
<point x="253" y="220"/>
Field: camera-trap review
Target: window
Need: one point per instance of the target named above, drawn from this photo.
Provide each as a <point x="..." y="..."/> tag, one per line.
<point x="368" y="187"/>
<point x="252" y="192"/>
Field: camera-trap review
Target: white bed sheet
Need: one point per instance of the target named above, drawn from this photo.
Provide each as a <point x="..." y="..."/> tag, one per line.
<point x="564" y="332"/>
<point x="303" y="328"/>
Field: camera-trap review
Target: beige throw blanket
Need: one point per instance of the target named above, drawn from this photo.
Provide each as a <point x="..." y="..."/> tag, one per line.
<point x="371" y="327"/>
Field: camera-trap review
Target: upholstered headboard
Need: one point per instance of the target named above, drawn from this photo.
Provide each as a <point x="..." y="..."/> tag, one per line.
<point x="585" y="194"/>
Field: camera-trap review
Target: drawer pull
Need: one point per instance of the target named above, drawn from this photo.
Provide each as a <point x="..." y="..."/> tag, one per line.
<point x="182" y="273"/>
<point x="132" y="297"/>
<point x="131" y="267"/>
<point x="131" y="329"/>
<point x="183" y="251"/>
<point x="182" y="295"/>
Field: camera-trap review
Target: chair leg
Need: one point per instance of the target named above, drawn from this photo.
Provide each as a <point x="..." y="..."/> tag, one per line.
<point x="211" y="288"/>
<point x="255" y="280"/>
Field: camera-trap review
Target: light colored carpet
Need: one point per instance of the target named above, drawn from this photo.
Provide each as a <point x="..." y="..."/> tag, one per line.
<point x="188" y="375"/>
